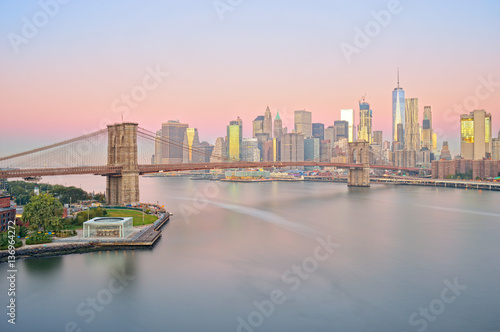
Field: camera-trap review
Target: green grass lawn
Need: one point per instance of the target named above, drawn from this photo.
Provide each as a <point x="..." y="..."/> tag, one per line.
<point x="72" y="227"/>
<point x="137" y="215"/>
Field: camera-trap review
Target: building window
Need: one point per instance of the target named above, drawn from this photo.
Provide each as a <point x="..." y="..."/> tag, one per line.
<point x="467" y="130"/>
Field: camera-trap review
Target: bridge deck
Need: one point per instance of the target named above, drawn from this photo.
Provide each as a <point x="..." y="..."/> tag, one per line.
<point x="155" y="168"/>
<point x="35" y="172"/>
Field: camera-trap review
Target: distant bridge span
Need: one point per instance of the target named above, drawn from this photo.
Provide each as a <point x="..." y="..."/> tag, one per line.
<point x="146" y="169"/>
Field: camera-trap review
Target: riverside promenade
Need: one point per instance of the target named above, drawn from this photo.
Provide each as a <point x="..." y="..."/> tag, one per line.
<point x="446" y="183"/>
<point x="146" y="238"/>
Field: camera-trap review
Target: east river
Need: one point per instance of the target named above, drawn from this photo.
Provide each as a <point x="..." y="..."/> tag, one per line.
<point x="279" y="256"/>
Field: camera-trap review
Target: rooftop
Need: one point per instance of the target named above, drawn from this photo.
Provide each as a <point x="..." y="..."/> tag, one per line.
<point x="108" y="220"/>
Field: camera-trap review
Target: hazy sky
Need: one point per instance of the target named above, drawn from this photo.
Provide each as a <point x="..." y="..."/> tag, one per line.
<point x="67" y="69"/>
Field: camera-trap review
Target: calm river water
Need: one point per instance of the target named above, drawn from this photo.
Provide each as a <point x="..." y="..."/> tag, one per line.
<point x="280" y="257"/>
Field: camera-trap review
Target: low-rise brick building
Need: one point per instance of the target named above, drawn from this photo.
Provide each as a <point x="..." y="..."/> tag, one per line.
<point x="7" y="212"/>
<point x="481" y="169"/>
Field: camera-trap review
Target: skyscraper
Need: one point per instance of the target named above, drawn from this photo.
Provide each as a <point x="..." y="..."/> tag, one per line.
<point x="311" y="149"/>
<point x="271" y="150"/>
<point x="378" y="137"/>
<point x="268" y="123"/>
<point x="207" y="149"/>
<point x="412" y="128"/>
<point x="426" y="133"/>
<point x="172" y="131"/>
<point x="292" y="147"/>
<point x="429" y="142"/>
<point x="303" y="123"/>
<point x="365" y="121"/>
<point x="250" y="150"/>
<point x="341" y="130"/>
<point x="219" y="152"/>
<point x="192" y="141"/>
<point x="234" y="139"/>
<point x="318" y="131"/>
<point x="445" y="152"/>
<point x="398" y="110"/>
<point x="428" y="114"/>
<point x="258" y="126"/>
<point x="261" y="139"/>
<point x="495" y="148"/>
<point x="475" y="130"/>
<point x="330" y="134"/>
<point x="278" y="126"/>
<point x="348" y="115"/>
<point x="325" y="151"/>
<point x="400" y="137"/>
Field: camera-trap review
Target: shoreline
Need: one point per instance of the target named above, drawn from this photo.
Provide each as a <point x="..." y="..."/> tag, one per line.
<point x="146" y="240"/>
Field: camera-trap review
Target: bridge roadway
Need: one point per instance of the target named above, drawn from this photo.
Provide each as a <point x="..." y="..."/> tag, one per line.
<point x="49" y="171"/>
<point x="155" y="168"/>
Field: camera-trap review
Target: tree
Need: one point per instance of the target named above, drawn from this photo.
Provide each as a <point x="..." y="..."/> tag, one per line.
<point x="21" y="231"/>
<point x="91" y="214"/>
<point x="100" y="197"/>
<point x="69" y="194"/>
<point x="43" y="211"/>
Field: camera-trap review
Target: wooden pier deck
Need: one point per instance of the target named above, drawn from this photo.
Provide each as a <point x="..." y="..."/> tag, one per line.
<point x="145" y="238"/>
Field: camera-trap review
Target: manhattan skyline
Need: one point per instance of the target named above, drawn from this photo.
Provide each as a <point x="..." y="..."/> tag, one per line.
<point x="70" y="76"/>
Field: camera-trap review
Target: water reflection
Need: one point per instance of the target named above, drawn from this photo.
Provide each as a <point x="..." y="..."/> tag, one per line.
<point x="123" y="261"/>
<point x="43" y="267"/>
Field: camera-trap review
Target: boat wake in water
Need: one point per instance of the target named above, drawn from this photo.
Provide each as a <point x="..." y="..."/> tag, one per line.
<point x="267" y="216"/>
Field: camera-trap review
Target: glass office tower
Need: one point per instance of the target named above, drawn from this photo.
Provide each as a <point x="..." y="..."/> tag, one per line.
<point x="398" y="110"/>
<point x="365" y="122"/>
<point x="234" y="140"/>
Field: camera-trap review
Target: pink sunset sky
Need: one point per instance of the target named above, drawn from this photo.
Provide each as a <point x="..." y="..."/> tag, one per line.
<point x="68" y="77"/>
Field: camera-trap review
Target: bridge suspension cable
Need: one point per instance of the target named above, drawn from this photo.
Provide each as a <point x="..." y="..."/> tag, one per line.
<point x="376" y="153"/>
<point x="79" y="138"/>
<point x="89" y="150"/>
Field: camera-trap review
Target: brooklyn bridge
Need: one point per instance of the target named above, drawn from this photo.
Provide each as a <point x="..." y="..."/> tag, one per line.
<point x="122" y="152"/>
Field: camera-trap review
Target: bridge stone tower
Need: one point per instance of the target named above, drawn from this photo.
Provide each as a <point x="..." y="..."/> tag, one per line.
<point x="122" y="151"/>
<point x="359" y="154"/>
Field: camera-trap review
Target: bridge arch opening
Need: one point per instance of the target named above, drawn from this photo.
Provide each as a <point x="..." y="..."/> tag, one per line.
<point x="360" y="156"/>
